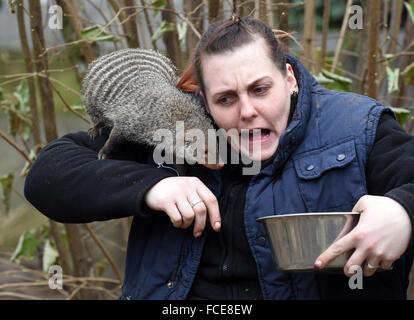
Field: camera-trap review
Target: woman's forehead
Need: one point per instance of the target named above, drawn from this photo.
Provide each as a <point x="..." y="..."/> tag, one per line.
<point x="246" y="64"/>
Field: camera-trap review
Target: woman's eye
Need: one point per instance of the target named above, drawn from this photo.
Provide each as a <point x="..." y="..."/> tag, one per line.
<point x="260" y="90"/>
<point x="225" y="100"/>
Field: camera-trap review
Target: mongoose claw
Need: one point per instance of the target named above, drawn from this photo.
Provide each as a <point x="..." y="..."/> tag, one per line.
<point x="95" y="131"/>
<point x="92" y="133"/>
<point x="102" y="155"/>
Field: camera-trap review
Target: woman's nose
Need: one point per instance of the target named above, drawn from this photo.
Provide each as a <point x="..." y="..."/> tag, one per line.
<point x="247" y="109"/>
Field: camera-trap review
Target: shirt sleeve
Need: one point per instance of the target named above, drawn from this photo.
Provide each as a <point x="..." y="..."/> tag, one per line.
<point x="68" y="183"/>
<point x="390" y="169"/>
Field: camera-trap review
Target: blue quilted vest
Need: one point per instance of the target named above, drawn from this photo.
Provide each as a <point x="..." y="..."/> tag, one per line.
<point x="319" y="167"/>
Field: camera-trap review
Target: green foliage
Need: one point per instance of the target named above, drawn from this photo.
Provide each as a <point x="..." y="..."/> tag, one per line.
<point x="6" y="183"/>
<point x="50" y="255"/>
<point x="164" y="27"/>
<point x="26" y="247"/>
<point x="79" y="106"/>
<point x="322" y="79"/>
<point x="393" y="76"/>
<point x="182" y="31"/>
<point x="410" y="8"/>
<point x="18" y="110"/>
<point x="29" y="244"/>
<point x="21" y="124"/>
<point x="98" y="33"/>
<point x="408" y="74"/>
<point x="333" y="81"/>
<point x="159" y="4"/>
<point x="27" y="165"/>
<point x="402" y="114"/>
<point x="101" y="266"/>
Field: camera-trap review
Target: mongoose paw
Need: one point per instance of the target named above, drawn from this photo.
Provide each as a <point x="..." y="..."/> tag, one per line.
<point x="102" y="155"/>
<point x="95" y="131"/>
<point x="92" y="133"/>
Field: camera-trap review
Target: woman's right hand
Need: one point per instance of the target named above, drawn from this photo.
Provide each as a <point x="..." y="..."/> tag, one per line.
<point x="185" y="200"/>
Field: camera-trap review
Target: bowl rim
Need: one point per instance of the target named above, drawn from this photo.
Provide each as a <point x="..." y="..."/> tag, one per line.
<point x="308" y="214"/>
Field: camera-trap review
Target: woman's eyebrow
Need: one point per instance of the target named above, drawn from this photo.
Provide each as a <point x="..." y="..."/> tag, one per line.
<point x="255" y="82"/>
<point x="249" y="86"/>
<point x="224" y="92"/>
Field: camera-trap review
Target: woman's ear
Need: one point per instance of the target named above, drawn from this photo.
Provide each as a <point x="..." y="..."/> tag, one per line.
<point x="290" y="77"/>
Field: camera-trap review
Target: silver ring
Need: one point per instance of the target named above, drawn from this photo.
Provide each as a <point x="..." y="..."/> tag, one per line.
<point x="370" y="266"/>
<point x="195" y="202"/>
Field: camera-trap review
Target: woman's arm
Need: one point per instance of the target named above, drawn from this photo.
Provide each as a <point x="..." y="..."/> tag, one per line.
<point x="390" y="169"/>
<point x="68" y="183"/>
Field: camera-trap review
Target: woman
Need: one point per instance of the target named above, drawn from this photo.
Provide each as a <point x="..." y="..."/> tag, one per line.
<point x="319" y="151"/>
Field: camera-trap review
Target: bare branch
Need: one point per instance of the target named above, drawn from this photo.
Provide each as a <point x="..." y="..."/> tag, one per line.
<point x="15" y="146"/>
<point x="104" y="251"/>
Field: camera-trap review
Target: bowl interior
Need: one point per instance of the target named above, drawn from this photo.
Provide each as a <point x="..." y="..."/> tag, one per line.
<point x="296" y="240"/>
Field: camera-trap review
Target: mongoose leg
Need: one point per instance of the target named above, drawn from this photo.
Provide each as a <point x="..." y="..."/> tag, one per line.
<point x="96" y="130"/>
<point x="115" y="138"/>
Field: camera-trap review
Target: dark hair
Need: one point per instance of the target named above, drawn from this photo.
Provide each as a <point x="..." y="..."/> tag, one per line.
<point x="233" y="33"/>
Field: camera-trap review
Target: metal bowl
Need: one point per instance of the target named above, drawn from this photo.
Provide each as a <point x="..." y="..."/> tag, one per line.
<point x="296" y="240"/>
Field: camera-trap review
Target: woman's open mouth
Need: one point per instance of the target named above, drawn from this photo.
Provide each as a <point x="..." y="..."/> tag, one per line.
<point x="258" y="135"/>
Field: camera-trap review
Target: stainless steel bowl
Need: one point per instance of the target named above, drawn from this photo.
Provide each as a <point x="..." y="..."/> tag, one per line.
<point x="296" y="240"/>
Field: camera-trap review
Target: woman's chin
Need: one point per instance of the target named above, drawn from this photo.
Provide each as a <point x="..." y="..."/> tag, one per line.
<point x="259" y="156"/>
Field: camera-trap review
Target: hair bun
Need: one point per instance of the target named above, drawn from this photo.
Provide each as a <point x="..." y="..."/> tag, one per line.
<point x="235" y="18"/>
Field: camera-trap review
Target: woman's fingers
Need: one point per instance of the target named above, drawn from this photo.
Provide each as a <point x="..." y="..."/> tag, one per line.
<point x="211" y="203"/>
<point x="200" y="217"/>
<point x="371" y="266"/>
<point x="186" y="211"/>
<point x="336" y="249"/>
<point x="376" y="244"/>
<point x="186" y="200"/>
<point x="175" y="215"/>
<point x="386" y="264"/>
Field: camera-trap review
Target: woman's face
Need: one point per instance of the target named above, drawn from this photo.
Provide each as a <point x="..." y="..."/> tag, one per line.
<point x="244" y="90"/>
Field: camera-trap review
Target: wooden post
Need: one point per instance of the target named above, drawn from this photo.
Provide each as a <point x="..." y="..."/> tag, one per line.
<point x="373" y="41"/>
<point x="130" y="24"/>
<point x="171" y="38"/>
<point x="72" y="12"/>
<point x="283" y="21"/>
<point x="325" y="30"/>
<point x="308" y="41"/>
<point x="29" y="69"/>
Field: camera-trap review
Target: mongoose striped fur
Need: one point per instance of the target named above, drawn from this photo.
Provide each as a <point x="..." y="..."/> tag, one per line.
<point x="133" y="92"/>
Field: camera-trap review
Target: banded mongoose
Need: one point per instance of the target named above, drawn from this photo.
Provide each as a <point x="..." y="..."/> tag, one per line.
<point x="133" y="91"/>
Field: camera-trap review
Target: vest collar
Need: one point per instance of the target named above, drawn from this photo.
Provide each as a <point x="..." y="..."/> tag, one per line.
<point x="296" y="130"/>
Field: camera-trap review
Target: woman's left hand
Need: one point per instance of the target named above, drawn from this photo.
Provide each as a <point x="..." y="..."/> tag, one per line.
<point x="380" y="237"/>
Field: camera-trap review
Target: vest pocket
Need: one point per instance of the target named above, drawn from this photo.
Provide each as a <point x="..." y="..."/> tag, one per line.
<point x="330" y="178"/>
